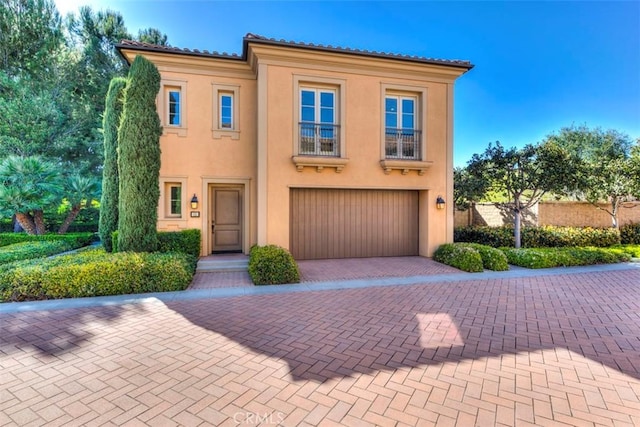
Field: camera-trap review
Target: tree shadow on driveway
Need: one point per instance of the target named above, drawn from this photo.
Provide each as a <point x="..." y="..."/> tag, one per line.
<point x="54" y="333"/>
<point x="328" y="334"/>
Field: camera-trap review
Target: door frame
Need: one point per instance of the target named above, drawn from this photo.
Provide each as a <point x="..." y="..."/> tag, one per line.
<point x="208" y="185"/>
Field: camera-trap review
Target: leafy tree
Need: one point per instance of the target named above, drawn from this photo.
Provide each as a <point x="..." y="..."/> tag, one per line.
<point x="607" y="169"/>
<point x="110" y="181"/>
<point x="523" y="175"/>
<point x="139" y="159"/>
<point x="28" y="186"/>
<point x="468" y="188"/>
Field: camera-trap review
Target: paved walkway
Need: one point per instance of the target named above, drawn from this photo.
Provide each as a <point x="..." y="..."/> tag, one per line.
<point x="551" y="347"/>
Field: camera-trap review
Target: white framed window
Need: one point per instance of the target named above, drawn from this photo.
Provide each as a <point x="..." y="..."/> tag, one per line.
<point x="319" y="130"/>
<point x="173" y="200"/>
<point x="403" y="115"/>
<point x="172" y="106"/>
<point x="173" y="203"/>
<point x="225" y="100"/>
<point x="226" y="111"/>
<point x="319" y="107"/>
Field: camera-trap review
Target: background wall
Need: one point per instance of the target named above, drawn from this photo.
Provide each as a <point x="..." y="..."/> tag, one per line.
<point x="572" y="214"/>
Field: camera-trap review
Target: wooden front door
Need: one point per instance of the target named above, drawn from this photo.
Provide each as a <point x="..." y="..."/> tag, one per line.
<point x="226" y="222"/>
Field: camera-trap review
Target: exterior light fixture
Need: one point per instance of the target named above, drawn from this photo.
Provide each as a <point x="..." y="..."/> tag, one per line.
<point x="194" y="202"/>
<point x="440" y="202"/>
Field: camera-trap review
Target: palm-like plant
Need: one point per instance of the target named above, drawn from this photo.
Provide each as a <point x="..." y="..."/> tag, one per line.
<point x="28" y="185"/>
<point x="80" y="192"/>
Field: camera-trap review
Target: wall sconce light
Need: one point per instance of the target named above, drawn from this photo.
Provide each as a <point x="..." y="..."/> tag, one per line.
<point x="194" y="202"/>
<point x="440" y="202"/>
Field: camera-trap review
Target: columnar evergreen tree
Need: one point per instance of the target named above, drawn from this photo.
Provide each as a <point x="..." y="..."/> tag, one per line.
<point x="139" y="159"/>
<point x="110" y="182"/>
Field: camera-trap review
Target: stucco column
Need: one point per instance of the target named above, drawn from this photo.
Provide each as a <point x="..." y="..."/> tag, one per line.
<point x="449" y="162"/>
<point x="262" y="155"/>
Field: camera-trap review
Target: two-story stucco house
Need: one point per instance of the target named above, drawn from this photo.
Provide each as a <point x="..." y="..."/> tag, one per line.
<point x="329" y="152"/>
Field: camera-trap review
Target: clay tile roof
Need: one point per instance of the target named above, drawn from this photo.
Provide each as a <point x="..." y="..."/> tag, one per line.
<point x="452" y="62"/>
<point x="255" y="38"/>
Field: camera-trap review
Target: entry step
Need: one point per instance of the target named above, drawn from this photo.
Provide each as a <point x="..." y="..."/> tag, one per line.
<point x="223" y="265"/>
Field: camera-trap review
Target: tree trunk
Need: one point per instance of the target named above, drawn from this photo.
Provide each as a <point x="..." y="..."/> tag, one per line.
<point x="516" y="229"/>
<point x="73" y="213"/>
<point x="38" y="219"/>
<point x="26" y="222"/>
<point x="615" y="204"/>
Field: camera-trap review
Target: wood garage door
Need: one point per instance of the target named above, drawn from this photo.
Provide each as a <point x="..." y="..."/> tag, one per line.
<point x="329" y="223"/>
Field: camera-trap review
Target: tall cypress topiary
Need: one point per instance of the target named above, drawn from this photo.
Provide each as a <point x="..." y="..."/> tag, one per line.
<point x="110" y="182"/>
<point x="139" y="159"/>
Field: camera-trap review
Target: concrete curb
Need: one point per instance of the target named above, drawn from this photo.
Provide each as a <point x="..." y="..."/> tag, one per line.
<point x="166" y="297"/>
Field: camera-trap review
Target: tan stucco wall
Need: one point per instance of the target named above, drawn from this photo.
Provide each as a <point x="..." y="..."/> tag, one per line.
<point x="261" y="158"/>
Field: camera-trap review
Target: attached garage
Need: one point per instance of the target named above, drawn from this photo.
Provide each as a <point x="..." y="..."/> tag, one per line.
<point x="337" y="223"/>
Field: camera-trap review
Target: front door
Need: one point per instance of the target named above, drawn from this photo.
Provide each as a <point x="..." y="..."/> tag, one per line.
<point x="226" y="223"/>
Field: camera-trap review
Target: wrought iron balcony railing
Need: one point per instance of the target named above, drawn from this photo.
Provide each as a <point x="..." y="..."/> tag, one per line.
<point x="319" y="139"/>
<point x="403" y="144"/>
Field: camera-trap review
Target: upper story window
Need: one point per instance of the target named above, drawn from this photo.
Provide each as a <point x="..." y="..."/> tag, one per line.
<point x="172" y="106"/>
<point x="319" y="129"/>
<point x="173" y="98"/>
<point x="225" y="111"/>
<point x="402" y="134"/>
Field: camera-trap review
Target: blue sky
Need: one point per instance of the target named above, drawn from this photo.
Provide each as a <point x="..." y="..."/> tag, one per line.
<point x="539" y="66"/>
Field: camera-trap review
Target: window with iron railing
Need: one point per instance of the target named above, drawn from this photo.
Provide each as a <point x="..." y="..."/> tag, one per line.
<point x="319" y="139"/>
<point x="318" y="130"/>
<point x="402" y="139"/>
<point x="402" y="144"/>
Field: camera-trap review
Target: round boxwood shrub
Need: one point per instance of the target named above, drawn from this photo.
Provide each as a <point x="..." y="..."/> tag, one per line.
<point x="272" y="265"/>
<point x="462" y="257"/>
<point x="492" y="258"/>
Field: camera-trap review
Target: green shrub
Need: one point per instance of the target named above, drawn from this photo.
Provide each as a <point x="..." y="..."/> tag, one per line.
<point x="30" y="250"/>
<point x="491" y="236"/>
<point x="462" y="257"/>
<point x="539" y="237"/>
<point x="114" y="241"/>
<point x="75" y="239"/>
<point x="94" y="272"/>
<point x="633" y="250"/>
<point x="492" y="258"/>
<point x="563" y="257"/>
<point x="630" y="234"/>
<point x="185" y="241"/>
<point x="272" y="265"/>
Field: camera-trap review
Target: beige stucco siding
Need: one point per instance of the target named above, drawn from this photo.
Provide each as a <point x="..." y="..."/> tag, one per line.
<point x="260" y="156"/>
<point x="362" y="121"/>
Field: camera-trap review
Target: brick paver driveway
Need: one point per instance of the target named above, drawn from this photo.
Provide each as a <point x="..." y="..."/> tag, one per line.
<point x="547" y="350"/>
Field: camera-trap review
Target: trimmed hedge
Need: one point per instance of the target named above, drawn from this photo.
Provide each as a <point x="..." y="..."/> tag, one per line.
<point x="539" y="237"/>
<point x="184" y="241"/>
<point x="272" y="265"/>
<point x="30" y="250"/>
<point x="74" y="239"/>
<point x="492" y="258"/>
<point x="563" y="257"/>
<point x="462" y="257"/>
<point x="93" y="272"/>
<point x="630" y="234"/>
